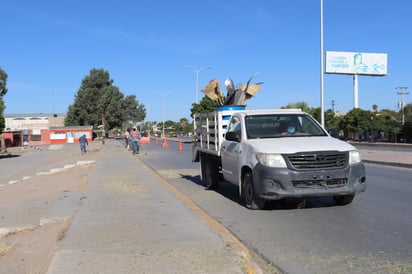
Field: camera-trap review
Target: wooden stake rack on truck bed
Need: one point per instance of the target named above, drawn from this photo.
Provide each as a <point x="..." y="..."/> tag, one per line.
<point x="210" y="129"/>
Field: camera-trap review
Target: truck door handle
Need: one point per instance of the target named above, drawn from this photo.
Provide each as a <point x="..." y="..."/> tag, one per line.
<point x="224" y="147"/>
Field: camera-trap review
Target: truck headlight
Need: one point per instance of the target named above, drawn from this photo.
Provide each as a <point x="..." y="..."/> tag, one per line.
<point x="271" y="160"/>
<point x="354" y="157"/>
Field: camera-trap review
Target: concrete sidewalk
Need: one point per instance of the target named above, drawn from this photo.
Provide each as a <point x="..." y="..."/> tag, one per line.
<point x="130" y="223"/>
<point x="391" y="158"/>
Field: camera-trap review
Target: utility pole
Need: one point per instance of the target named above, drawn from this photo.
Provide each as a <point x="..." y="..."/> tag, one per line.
<point x="402" y="91"/>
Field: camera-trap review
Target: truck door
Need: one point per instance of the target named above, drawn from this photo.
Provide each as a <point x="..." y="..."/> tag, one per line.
<point x="230" y="151"/>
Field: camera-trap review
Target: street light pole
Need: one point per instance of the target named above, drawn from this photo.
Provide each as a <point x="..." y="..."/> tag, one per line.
<point x="197" y="71"/>
<point x="372" y="128"/>
<point x="322" y="111"/>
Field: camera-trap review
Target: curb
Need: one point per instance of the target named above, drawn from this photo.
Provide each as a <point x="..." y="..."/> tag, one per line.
<point x="395" y="164"/>
<point x="51" y="171"/>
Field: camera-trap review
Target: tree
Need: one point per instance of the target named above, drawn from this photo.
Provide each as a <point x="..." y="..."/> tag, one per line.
<point x="300" y="105"/>
<point x="356" y="123"/>
<point x="183" y="126"/>
<point x="134" y="111"/>
<point x="169" y="124"/>
<point x="147" y="126"/>
<point x="88" y="104"/>
<point x="3" y="91"/>
<point x="365" y="125"/>
<point x="331" y="121"/>
<point x="2" y="120"/>
<point x="3" y="82"/>
<point x="99" y="103"/>
<point x="205" y="105"/>
<point x="406" y="131"/>
<point x="385" y="124"/>
<point x="111" y="108"/>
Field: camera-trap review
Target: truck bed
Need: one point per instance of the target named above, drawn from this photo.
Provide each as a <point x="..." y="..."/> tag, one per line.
<point x="210" y="129"/>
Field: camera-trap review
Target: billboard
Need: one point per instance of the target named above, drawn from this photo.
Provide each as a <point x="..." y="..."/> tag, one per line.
<point x="356" y="63"/>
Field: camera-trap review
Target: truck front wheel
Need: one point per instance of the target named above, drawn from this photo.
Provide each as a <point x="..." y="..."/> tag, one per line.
<point x="249" y="196"/>
<point x="344" y="199"/>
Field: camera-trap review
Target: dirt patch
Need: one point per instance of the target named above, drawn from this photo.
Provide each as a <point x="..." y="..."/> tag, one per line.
<point x="45" y="186"/>
<point x="31" y="251"/>
<point x="27" y="245"/>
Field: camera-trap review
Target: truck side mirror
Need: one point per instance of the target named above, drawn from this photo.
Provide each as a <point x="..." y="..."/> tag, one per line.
<point x="232" y="136"/>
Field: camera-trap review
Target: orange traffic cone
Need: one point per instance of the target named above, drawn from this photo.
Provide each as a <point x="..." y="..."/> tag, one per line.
<point x="157" y="141"/>
<point x="180" y="146"/>
<point x="165" y="144"/>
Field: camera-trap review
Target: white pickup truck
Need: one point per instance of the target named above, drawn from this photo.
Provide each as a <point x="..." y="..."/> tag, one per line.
<point x="275" y="154"/>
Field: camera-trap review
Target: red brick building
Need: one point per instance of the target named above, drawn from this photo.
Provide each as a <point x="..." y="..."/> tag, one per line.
<point x="41" y="129"/>
<point x="67" y="135"/>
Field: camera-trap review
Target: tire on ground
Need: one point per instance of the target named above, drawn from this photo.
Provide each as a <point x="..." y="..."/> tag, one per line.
<point x="249" y="197"/>
<point x="344" y="199"/>
<point x="210" y="171"/>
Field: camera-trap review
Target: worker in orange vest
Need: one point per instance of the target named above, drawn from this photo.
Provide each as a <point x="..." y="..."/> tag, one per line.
<point x="134" y="140"/>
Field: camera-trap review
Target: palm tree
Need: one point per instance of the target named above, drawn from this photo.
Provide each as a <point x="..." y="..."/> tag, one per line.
<point x="183" y="122"/>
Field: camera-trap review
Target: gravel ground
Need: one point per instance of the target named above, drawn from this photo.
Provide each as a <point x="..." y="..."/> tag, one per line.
<point x="28" y="236"/>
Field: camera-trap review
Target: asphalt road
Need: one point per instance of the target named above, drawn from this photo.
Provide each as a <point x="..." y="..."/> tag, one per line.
<point x="371" y="235"/>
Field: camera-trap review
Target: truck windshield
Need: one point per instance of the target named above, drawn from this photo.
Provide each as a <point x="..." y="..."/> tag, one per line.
<point x="282" y="125"/>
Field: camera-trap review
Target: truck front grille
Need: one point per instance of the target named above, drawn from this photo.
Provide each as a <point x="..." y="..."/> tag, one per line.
<point x="318" y="160"/>
<point x="316" y="184"/>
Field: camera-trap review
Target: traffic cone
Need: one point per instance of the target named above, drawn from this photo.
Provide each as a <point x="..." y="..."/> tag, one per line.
<point x="165" y="144"/>
<point x="180" y="146"/>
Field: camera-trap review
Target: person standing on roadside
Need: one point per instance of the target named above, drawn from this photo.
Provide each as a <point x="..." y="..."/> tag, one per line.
<point x="134" y="139"/>
<point x="83" y="143"/>
<point x="126" y="137"/>
<point x="130" y="139"/>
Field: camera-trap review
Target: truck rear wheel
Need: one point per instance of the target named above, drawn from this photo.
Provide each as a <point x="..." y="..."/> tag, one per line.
<point x="249" y="196"/>
<point x="210" y="171"/>
<point x="212" y="174"/>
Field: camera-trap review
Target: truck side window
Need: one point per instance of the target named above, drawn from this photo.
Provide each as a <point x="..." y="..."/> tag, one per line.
<point x="234" y="126"/>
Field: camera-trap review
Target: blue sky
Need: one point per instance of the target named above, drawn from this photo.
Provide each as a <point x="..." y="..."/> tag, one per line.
<point x="48" y="47"/>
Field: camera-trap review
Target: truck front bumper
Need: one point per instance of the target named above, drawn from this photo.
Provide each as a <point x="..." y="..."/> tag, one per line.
<point x="277" y="183"/>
